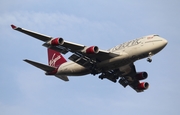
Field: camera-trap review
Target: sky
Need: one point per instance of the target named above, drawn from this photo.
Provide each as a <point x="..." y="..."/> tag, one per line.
<point x="25" y="89"/>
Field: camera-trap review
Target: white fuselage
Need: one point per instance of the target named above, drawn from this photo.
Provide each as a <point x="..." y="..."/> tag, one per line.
<point x="128" y="53"/>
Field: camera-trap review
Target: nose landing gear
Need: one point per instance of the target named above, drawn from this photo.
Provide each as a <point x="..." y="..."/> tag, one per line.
<point x="149" y="59"/>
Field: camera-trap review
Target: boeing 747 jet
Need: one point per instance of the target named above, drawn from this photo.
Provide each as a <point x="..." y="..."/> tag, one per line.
<point x="115" y="64"/>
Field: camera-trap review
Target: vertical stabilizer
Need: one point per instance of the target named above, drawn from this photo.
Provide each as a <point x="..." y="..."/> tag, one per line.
<point x="55" y="59"/>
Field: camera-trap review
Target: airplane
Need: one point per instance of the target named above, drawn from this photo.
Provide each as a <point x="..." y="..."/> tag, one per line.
<point x="114" y="64"/>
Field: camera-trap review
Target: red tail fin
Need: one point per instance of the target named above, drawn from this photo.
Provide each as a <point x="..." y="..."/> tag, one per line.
<point x="55" y="59"/>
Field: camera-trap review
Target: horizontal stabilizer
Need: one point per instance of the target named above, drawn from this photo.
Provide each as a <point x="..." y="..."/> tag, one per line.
<point x="46" y="68"/>
<point x="41" y="66"/>
<point x="62" y="77"/>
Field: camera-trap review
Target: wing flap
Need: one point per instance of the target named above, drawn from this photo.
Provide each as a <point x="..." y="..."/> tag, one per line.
<point x="73" y="46"/>
<point x="66" y="47"/>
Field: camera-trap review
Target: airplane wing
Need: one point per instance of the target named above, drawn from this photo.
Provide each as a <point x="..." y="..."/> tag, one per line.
<point x="83" y="55"/>
<point x="128" y="76"/>
<point x="39" y="36"/>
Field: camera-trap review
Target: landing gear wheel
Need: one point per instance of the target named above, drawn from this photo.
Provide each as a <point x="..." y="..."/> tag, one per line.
<point x="101" y="77"/>
<point x="149" y="60"/>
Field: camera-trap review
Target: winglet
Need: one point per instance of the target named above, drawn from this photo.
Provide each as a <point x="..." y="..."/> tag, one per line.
<point x="13" y="27"/>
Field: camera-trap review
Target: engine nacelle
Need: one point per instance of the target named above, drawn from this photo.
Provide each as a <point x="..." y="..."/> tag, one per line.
<point x="56" y="41"/>
<point x="92" y="50"/>
<point x="141" y="75"/>
<point x="143" y="86"/>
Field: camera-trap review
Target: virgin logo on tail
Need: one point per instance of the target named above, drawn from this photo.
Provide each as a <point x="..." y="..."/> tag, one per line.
<point x="53" y="60"/>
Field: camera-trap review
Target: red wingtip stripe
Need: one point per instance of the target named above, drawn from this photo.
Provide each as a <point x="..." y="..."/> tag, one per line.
<point x="13" y="26"/>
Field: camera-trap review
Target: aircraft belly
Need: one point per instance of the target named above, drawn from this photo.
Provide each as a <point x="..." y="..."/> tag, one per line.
<point x="127" y="56"/>
<point x="72" y="69"/>
<point x="115" y="62"/>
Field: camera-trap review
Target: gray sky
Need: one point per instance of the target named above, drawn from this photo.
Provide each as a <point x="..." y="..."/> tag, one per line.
<point x="25" y="89"/>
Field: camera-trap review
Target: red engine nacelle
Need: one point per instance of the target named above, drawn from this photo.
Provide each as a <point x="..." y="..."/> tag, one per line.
<point x="56" y="41"/>
<point x="143" y="86"/>
<point x="92" y="50"/>
<point x="141" y="75"/>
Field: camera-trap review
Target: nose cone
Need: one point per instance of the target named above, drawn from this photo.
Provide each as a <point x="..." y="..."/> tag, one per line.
<point x="165" y="41"/>
<point x="159" y="44"/>
<point x="154" y="44"/>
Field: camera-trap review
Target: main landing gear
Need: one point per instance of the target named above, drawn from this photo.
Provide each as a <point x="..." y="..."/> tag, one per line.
<point x="149" y="59"/>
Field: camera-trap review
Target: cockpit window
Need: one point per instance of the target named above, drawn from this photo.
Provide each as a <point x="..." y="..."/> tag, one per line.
<point x="156" y="35"/>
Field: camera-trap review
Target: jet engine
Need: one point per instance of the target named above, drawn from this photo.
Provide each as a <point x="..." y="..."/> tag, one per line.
<point x="92" y="50"/>
<point x="141" y="75"/>
<point x="56" y="41"/>
<point x="143" y="86"/>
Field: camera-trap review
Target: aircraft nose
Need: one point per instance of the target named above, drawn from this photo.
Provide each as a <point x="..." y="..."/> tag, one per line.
<point x="165" y="42"/>
<point x="159" y="43"/>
